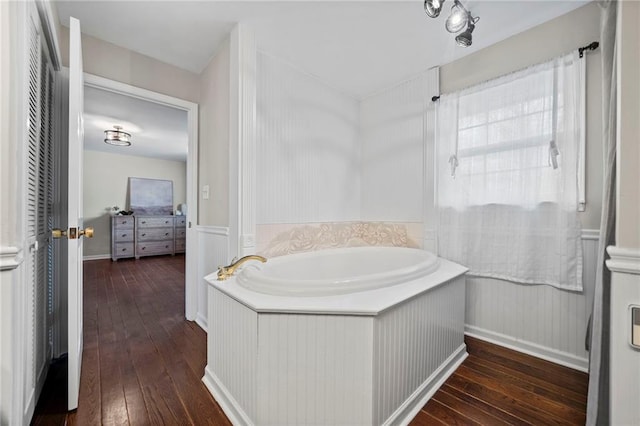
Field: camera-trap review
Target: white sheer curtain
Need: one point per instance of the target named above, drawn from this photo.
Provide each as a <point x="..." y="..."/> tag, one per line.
<point x="509" y="157"/>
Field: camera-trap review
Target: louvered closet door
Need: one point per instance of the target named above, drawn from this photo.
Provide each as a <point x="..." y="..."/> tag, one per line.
<point x="39" y="179"/>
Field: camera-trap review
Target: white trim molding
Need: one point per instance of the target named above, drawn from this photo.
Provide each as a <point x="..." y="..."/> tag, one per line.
<point x="213" y="230"/>
<point x="96" y="257"/>
<point x="10" y="257"/>
<point x="624" y="260"/>
<point x="558" y="357"/>
<point x="590" y="234"/>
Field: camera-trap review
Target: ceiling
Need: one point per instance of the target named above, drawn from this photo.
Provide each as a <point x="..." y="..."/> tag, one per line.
<point x="156" y="130"/>
<point x="358" y="47"/>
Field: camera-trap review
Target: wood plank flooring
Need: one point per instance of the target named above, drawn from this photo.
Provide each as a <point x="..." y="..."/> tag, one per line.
<point x="143" y="364"/>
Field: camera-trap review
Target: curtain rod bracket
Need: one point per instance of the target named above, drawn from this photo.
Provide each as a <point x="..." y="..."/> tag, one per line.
<point x="593" y="46"/>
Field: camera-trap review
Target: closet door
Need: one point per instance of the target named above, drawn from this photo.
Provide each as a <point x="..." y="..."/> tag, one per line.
<point x="39" y="201"/>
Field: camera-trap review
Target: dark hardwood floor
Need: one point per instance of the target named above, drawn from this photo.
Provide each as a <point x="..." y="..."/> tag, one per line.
<point x="143" y="364"/>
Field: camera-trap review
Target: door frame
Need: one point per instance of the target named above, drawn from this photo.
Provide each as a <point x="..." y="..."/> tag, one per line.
<point x="191" y="108"/>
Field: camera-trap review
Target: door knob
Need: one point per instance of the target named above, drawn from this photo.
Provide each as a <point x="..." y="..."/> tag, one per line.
<point x="87" y="232"/>
<point x="58" y="233"/>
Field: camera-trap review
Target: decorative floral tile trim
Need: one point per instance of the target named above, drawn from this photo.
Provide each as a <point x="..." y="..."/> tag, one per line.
<point x="303" y="238"/>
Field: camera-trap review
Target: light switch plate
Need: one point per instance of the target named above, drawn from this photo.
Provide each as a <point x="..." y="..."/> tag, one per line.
<point x="635" y="326"/>
<point x="205" y="192"/>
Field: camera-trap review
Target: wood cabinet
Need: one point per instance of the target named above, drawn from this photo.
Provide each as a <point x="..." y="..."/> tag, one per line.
<point x="122" y="237"/>
<point x="138" y="236"/>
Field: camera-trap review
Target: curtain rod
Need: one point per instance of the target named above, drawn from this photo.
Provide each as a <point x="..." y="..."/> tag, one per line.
<point x="591" y="46"/>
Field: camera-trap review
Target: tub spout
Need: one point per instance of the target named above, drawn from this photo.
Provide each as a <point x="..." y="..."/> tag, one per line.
<point x="225" y="272"/>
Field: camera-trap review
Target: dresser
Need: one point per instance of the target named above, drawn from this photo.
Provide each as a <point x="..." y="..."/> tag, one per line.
<point x="180" y="233"/>
<point x="142" y="235"/>
<point x="122" y="237"/>
<point x="154" y="235"/>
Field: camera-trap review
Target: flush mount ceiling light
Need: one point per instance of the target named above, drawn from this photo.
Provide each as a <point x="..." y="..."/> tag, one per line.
<point x="117" y="137"/>
<point x="459" y="18"/>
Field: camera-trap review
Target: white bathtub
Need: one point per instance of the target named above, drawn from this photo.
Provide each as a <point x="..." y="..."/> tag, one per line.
<point x="358" y="336"/>
<point x="337" y="271"/>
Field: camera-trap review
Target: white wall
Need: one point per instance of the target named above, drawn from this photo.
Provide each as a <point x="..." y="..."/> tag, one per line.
<point x="392" y="125"/>
<point x="213" y="161"/>
<point x="105" y="185"/>
<point x="117" y="63"/>
<point x="308" y="151"/>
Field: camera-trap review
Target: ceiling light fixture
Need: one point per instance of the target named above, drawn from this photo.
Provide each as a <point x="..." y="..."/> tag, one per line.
<point x="464" y="39"/>
<point x="458" y="19"/>
<point x="117" y="137"/>
<point x="433" y="7"/>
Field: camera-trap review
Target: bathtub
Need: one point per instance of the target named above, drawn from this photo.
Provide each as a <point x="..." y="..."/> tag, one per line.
<point x="357" y="336"/>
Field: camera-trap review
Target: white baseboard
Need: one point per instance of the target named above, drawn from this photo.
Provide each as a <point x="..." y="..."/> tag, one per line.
<point x="229" y="405"/>
<point x="96" y="257"/>
<point x="410" y="408"/>
<point x="201" y="320"/>
<point x="529" y="348"/>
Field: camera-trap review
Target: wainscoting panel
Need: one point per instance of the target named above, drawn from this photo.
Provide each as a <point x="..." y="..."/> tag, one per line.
<point x="213" y="249"/>
<point x="422" y="334"/>
<point x="231" y="354"/>
<point x="307" y="148"/>
<point x="540" y="320"/>
<point x="324" y="374"/>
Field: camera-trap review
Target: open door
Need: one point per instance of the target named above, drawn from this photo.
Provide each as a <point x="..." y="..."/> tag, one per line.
<point x="75" y="216"/>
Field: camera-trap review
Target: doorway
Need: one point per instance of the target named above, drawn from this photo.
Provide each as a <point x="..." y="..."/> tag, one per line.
<point x="160" y="104"/>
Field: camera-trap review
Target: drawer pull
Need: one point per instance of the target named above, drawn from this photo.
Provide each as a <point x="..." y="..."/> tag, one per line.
<point x="166" y="233"/>
<point x="124" y="221"/>
<point x="144" y="221"/>
<point x="124" y="235"/>
<point x="143" y="248"/>
<point x="166" y="247"/>
<point x="166" y="221"/>
<point x="144" y="235"/>
<point x="124" y="249"/>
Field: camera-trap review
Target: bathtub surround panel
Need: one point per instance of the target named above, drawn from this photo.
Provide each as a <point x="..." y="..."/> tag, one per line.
<point x="359" y="359"/>
<point x="282" y="239"/>
<point x="232" y="349"/>
<point x="308" y="151"/>
<point x="314" y="369"/>
<point x="392" y="125"/>
<point x="539" y="320"/>
<point x="423" y="334"/>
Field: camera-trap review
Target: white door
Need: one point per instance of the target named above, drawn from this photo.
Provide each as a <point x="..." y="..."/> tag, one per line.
<point x="75" y="217"/>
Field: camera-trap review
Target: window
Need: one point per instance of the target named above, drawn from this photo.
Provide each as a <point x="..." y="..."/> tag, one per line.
<point x="510" y="164"/>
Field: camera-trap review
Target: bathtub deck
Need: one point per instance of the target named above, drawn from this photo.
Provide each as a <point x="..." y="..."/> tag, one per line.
<point x="143" y="364"/>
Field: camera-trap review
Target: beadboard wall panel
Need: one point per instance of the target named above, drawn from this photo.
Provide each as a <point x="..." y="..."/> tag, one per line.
<point x="392" y="126"/>
<point x="308" y="151"/>
<point x="422" y="333"/>
<point x="324" y="374"/>
<point x="540" y="320"/>
<point x="232" y="348"/>
<point x="213" y="251"/>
